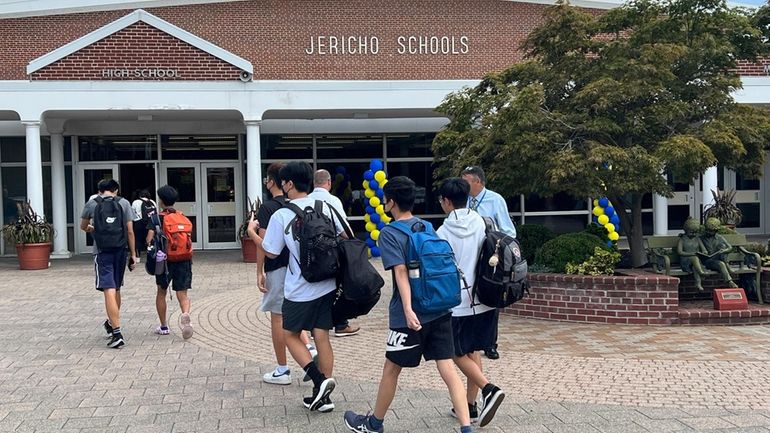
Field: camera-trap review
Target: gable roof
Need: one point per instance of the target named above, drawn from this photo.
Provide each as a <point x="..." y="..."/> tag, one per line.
<point x="134" y="17"/>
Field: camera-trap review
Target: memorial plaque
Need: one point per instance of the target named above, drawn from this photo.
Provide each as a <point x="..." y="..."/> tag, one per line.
<point x="730" y="299"/>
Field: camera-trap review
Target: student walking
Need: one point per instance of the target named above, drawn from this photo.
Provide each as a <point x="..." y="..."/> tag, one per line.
<point x="109" y="219"/>
<point x="143" y="207"/>
<point x="176" y="232"/>
<point x="488" y="204"/>
<point x="322" y="180"/>
<point x="474" y="325"/>
<point x="308" y="291"/>
<point x="412" y="335"/>
<point x="271" y="277"/>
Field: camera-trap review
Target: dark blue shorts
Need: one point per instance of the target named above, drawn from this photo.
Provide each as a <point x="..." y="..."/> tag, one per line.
<point x="110" y="267"/>
<point x="474" y="333"/>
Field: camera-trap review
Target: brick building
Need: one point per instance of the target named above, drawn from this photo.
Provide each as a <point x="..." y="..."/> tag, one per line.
<point x="204" y="94"/>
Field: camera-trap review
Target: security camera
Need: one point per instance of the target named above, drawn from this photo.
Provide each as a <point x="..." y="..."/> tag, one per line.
<point x="245" y="76"/>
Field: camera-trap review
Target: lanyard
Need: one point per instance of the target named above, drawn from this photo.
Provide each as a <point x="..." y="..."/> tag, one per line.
<point x="478" y="202"/>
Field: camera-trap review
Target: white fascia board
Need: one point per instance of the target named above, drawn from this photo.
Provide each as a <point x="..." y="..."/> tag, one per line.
<point x="611" y="4"/>
<point x="122" y="23"/>
<point x="31" y="8"/>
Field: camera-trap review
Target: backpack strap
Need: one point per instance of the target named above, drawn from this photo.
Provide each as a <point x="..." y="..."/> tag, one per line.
<point x="297" y="210"/>
<point x="346" y="227"/>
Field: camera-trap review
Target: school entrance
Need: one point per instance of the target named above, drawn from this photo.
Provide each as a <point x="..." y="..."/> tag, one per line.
<point x="210" y="190"/>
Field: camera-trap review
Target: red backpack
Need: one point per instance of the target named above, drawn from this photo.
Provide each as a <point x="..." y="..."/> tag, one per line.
<point x="177" y="229"/>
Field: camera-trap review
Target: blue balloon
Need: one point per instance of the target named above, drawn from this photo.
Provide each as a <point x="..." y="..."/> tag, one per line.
<point x="380" y="225"/>
<point x="370" y="210"/>
<point x="380" y="193"/>
<point x="368" y="175"/>
<point x="603" y="202"/>
<point x="615" y="220"/>
<point x="373" y="184"/>
<point x="610" y="244"/>
<point x="376" y="165"/>
<point x="375" y="218"/>
<point x="340" y="169"/>
<point x="375" y="252"/>
<point x="370" y="243"/>
<point x="609" y="211"/>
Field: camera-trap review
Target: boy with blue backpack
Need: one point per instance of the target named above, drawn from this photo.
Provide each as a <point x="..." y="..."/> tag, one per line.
<point x="426" y="286"/>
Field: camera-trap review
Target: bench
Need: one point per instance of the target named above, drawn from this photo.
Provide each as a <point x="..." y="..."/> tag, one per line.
<point x="661" y="254"/>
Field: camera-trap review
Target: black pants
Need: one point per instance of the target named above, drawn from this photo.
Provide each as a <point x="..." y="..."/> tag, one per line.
<point x="140" y="233"/>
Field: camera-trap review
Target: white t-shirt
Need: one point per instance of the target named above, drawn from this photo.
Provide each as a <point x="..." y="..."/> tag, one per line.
<point x="320" y="193"/>
<point x="296" y="288"/>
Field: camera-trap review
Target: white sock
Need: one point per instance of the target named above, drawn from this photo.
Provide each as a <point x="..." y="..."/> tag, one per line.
<point x="281" y="369"/>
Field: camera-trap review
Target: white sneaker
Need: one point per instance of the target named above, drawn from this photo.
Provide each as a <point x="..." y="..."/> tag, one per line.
<point x="277" y="378"/>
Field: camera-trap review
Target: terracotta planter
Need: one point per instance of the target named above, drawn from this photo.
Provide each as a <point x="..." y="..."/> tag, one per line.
<point x="34" y="256"/>
<point x="249" y="250"/>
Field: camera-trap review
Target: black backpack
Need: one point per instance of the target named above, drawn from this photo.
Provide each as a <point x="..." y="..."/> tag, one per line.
<point x="148" y="208"/>
<point x="317" y="235"/>
<point x="501" y="272"/>
<point x="359" y="280"/>
<point x="109" y="226"/>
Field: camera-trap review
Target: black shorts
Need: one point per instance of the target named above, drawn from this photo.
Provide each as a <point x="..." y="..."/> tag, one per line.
<point x="405" y="346"/>
<point x="110" y="267"/>
<point x="179" y="276"/>
<point x="473" y="333"/>
<point x="308" y="315"/>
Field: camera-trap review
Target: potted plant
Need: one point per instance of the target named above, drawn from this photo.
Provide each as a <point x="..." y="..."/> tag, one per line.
<point x="724" y="208"/>
<point x="248" y="248"/>
<point x="32" y="236"/>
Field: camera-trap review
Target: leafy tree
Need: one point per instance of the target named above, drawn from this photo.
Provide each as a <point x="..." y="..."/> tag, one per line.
<point x="603" y="105"/>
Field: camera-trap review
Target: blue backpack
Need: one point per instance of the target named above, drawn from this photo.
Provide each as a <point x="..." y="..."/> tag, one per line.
<point x="433" y="273"/>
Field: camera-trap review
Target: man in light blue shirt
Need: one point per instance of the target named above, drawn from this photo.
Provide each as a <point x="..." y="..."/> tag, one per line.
<point x="487" y="202"/>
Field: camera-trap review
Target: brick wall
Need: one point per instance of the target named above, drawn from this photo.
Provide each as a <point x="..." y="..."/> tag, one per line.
<point x="128" y="51"/>
<point x="755" y="69"/>
<point x="273" y="35"/>
<point x="637" y="298"/>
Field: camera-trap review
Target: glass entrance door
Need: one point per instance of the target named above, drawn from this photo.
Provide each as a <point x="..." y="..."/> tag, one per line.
<point x="748" y="193"/>
<point x="208" y="195"/>
<point x="682" y="205"/>
<point x="90" y="176"/>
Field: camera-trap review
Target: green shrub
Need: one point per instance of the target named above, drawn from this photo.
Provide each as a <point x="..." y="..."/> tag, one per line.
<point x="531" y="238"/>
<point x="598" y="231"/>
<point x="602" y="262"/>
<point x="570" y="247"/>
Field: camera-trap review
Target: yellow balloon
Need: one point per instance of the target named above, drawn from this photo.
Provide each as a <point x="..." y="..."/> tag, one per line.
<point x="367" y="218"/>
<point x="613" y="236"/>
<point x="386" y="219"/>
<point x="610" y="227"/>
<point x="380" y="210"/>
<point x="598" y="211"/>
<point x="369" y="193"/>
<point x="365" y="184"/>
<point x="596" y="202"/>
<point x="379" y="176"/>
<point x="370" y="227"/>
<point x="383" y="183"/>
<point x="375" y="235"/>
<point x="374" y="202"/>
<point x="603" y="219"/>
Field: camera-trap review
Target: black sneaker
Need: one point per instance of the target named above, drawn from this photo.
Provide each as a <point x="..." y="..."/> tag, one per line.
<point x="319" y="394"/>
<point x="107" y="329"/>
<point x="326" y="404"/>
<point x="473" y="410"/>
<point x="116" y="341"/>
<point x="489" y="404"/>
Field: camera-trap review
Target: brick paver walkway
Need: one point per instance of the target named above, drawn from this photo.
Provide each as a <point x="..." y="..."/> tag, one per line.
<point x="56" y="375"/>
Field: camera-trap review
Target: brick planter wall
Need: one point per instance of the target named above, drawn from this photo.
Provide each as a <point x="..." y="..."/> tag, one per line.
<point x="638" y="297"/>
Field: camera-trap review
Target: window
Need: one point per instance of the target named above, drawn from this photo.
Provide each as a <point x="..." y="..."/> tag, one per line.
<point x="410" y="145"/>
<point x="13" y="149"/>
<point x="113" y="148"/>
<point x="199" y="147"/>
<point x="421" y="173"/>
<point x="348" y="146"/>
<point x="286" y="147"/>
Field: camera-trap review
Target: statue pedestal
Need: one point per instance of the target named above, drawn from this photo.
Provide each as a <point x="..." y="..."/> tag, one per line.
<point x="730" y="299"/>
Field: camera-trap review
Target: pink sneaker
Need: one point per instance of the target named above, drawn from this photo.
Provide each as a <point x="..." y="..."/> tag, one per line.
<point x="187" y="329"/>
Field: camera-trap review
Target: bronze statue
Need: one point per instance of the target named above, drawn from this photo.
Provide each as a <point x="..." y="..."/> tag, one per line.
<point x="709" y="250"/>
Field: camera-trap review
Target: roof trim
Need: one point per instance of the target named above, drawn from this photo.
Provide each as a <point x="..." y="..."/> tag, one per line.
<point x="611" y="4"/>
<point x="31" y="8"/>
<point x="122" y="23"/>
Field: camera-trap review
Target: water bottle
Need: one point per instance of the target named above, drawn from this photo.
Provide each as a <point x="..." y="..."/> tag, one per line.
<point x="414" y="269"/>
<point x="160" y="263"/>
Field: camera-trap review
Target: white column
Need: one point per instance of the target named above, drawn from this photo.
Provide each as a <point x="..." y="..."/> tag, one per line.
<point x="58" y="197"/>
<point x="660" y="212"/>
<point x="710" y="182"/>
<point x="34" y="167"/>
<point x="253" y="160"/>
